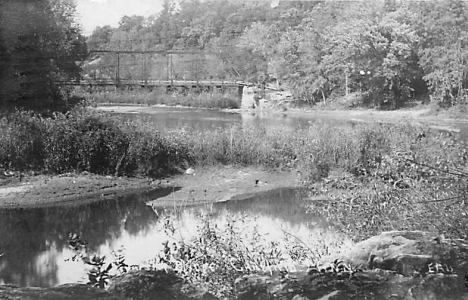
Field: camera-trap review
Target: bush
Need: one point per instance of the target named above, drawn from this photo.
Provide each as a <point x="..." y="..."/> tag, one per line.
<point x="152" y="153"/>
<point x="84" y="140"/>
<point x="22" y="145"/>
<point x="417" y="183"/>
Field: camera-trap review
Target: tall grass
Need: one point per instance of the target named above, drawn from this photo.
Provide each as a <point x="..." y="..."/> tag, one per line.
<point x="86" y="140"/>
<point x="159" y="96"/>
<point x="403" y="181"/>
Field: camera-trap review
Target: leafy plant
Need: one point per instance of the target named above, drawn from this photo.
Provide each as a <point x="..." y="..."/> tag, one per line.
<point x="99" y="274"/>
<point x="419" y="184"/>
<point x="221" y="253"/>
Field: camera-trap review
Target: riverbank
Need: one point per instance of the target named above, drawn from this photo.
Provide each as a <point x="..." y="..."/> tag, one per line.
<point x="27" y="191"/>
<point x="210" y="184"/>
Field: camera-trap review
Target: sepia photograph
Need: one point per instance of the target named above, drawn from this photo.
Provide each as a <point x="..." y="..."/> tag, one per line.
<point x="234" y="149"/>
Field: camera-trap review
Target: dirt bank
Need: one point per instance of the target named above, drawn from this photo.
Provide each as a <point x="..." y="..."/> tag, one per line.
<point x="19" y="190"/>
<point x="224" y="183"/>
<point x="206" y="185"/>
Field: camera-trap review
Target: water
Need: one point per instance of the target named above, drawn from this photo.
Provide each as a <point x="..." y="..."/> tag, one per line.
<point x="35" y="241"/>
<point x="172" y="117"/>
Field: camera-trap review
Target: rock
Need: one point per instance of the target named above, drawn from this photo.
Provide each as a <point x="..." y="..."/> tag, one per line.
<point x="393" y="265"/>
<point x="141" y="284"/>
<point x="299" y="297"/>
<point x="402" y="251"/>
<point x="190" y="171"/>
<point x="146" y="284"/>
<point x="280" y="97"/>
<point x="367" y="284"/>
<point x="65" y="292"/>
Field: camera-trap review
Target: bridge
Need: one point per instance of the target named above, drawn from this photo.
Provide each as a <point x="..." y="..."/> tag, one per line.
<point x="167" y="85"/>
<point x="159" y="63"/>
<point x="158" y="83"/>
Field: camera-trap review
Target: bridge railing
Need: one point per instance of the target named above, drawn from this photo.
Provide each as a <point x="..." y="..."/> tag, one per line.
<point x="156" y="82"/>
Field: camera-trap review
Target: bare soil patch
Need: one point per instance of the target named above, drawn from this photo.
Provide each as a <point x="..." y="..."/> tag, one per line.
<point x="225" y="183"/>
<point x="67" y="189"/>
<point x="205" y="185"/>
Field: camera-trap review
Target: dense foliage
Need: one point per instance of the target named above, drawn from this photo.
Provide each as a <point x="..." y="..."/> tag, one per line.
<point x="39" y="45"/>
<point x="403" y="182"/>
<point x="385" y="51"/>
<point x="82" y="140"/>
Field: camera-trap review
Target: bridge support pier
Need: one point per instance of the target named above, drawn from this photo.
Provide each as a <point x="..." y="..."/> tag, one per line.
<point x="240" y="91"/>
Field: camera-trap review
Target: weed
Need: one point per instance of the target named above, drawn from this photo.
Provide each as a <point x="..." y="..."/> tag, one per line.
<point x="415" y="184"/>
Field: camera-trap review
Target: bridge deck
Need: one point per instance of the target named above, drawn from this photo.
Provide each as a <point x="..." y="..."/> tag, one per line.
<point x="153" y="83"/>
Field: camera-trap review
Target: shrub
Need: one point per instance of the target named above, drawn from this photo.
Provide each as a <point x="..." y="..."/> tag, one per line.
<point x="416" y="184"/>
<point x="84" y="141"/>
<point x="153" y="154"/>
<point x="21" y="134"/>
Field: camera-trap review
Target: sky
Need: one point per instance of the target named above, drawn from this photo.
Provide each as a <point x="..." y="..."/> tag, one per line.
<point x="93" y="13"/>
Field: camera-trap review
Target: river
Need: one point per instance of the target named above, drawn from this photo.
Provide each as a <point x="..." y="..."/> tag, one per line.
<point x="35" y="241"/>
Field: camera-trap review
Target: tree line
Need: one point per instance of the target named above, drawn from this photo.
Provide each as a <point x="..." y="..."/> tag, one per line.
<point x="384" y="51"/>
<point x="388" y="51"/>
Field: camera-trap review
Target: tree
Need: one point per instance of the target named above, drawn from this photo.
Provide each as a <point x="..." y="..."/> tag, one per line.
<point x="100" y="38"/>
<point x="376" y="48"/>
<point x="134" y="22"/>
<point x="443" y="48"/>
<point x="40" y="45"/>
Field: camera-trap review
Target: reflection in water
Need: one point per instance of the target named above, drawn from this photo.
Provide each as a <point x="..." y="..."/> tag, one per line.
<point x="36" y="247"/>
<point x="173" y="117"/>
<point x="202" y="119"/>
<point x="170" y="117"/>
<point x="35" y="244"/>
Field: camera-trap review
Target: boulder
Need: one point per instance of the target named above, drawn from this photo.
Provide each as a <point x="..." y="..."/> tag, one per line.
<point x="280" y="97"/>
<point x="142" y="284"/>
<point x="375" y="284"/>
<point x="152" y="284"/>
<point x="405" y="252"/>
<point x="393" y="265"/>
<point x="61" y="292"/>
